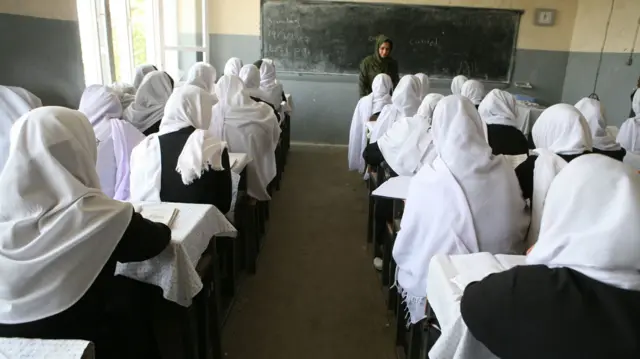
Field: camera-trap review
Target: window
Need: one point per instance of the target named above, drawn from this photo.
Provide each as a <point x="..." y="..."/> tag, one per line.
<point x="118" y="35"/>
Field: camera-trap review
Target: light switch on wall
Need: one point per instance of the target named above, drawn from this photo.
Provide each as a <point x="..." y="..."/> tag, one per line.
<point x="545" y="17"/>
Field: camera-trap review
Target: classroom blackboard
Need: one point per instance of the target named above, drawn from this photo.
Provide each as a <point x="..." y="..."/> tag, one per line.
<point x="334" y="37"/>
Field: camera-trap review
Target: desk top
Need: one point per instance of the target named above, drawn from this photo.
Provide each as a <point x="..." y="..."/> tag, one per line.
<point x="14" y="348"/>
<point x="173" y="270"/>
<point x="239" y="161"/>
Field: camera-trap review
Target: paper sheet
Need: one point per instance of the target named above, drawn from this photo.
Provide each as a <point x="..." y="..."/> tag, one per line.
<point x="516" y="160"/>
<point x="395" y="187"/>
<point x="160" y="214"/>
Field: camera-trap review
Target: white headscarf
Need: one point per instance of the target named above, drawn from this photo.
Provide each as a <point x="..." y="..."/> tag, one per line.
<point x="467" y="201"/>
<point x="366" y="107"/>
<point x="188" y="106"/>
<point x="473" y="90"/>
<point x="592" y="111"/>
<point x="126" y="93"/>
<point x="250" y="76"/>
<point x="116" y="139"/>
<point x="233" y="66"/>
<point x="248" y="127"/>
<point x="406" y="143"/>
<point x="424" y="84"/>
<point x="405" y="103"/>
<point x="202" y="75"/>
<point x="268" y="83"/>
<point x="589" y="222"/>
<point x="456" y="84"/>
<point x="499" y="108"/>
<point x="148" y="107"/>
<point x="12" y="106"/>
<point x="560" y="130"/>
<point x="57" y="229"/>
<point x="31" y="99"/>
<point x="141" y="73"/>
<point x="629" y="138"/>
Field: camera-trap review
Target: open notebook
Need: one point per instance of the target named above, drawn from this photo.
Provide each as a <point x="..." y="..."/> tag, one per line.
<point x="475" y="267"/>
<point x="160" y="214"/>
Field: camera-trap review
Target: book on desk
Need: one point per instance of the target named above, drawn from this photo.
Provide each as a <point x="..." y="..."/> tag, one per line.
<point x="160" y="214"/>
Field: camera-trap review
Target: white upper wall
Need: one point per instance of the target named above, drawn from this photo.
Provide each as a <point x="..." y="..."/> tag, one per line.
<point x="49" y="9"/>
<point x="591" y="24"/>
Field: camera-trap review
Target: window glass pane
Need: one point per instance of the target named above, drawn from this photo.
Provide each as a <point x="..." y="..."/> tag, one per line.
<point x="177" y="63"/>
<point x="142" y="31"/>
<point x="120" y="40"/>
<point x="182" y="23"/>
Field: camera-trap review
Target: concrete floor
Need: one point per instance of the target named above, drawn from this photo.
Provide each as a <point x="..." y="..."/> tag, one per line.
<point x="316" y="294"/>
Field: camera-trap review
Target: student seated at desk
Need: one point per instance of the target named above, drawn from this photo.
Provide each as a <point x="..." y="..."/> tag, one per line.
<point x="269" y="85"/>
<point x="474" y="91"/>
<point x="60" y="239"/>
<point x="404" y="103"/>
<point x="424" y="84"/>
<point x="116" y="139"/>
<point x="498" y="111"/>
<point x="457" y="83"/>
<point x="248" y="127"/>
<point x="579" y="297"/>
<point x="14" y="102"/>
<point x="183" y="162"/>
<point x="603" y="143"/>
<point x="233" y="66"/>
<point x="407" y="145"/>
<point x="202" y="75"/>
<point x="147" y="109"/>
<point x="250" y="76"/>
<point x="141" y="73"/>
<point x="629" y="137"/>
<point x="562" y="135"/>
<point x="467" y="201"/>
<point x="367" y="109"/>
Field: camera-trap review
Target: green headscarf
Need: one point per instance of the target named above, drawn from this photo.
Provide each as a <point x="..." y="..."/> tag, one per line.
<point x="379" y="62"/>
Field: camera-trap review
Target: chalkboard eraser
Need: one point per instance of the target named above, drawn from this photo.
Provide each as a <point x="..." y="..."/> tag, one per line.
<point x="524" y="85"/>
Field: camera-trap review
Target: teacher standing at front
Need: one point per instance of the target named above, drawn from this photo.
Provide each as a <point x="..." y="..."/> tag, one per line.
<point x="380" y="62"/>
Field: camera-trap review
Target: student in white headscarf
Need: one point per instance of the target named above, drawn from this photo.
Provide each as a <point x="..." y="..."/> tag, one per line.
<point x="250" y="76"/>
<point x="12" y="107"/>
<point x="32" y="100"/>
<point x="202" y="75"/>
<point x="467" y="201"/>
<point x="126" y="93"/>
<point x="147" y="110"/>
<point x="498" y="111"/>
<point x="116" y="139"/>
<point x="60" y="240"/>
<point x="406" y="144"/>
<point x="248" y="127"/>
<point x="141" y="73"/>
<point x="629" y="135"/>
<point x="579" y="297"/>
<point x="603" y="143"/>
<point x="367" y="109"/>
<point x="233" y="66"/>
<point x="269" y="85"/>
<point x="404" y="103"/>
<point x="183" y="162"/>
<point x="561" y="135"/>
<point x="474" y="91"/>
<point x="456" y="84"/>
<point x="424" y="84"/>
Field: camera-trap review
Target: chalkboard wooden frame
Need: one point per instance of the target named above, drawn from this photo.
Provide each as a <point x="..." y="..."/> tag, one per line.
<point x="512" y="61"/>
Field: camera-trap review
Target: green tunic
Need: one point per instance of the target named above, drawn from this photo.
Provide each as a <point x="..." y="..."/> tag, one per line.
<point x="373" y="65"/>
